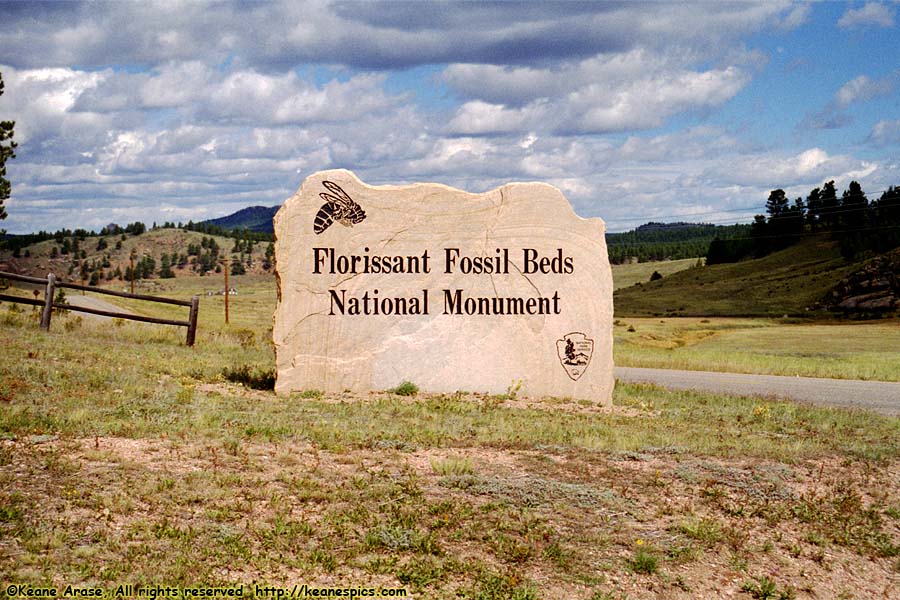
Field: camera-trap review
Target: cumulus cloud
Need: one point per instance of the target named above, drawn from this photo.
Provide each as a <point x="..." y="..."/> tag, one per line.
<point x="174" y="111"/>
<point x="803" y="169"/>
<point x="634" y="90"/>
<point x="872" y="13"/>
<point x="363" y="34"/>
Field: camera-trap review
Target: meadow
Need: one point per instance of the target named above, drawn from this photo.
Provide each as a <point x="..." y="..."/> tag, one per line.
<point x="791" y="282"/>
<point x="626" y="275"/>
<point x="833" y="349"/>
<point x="127" y="457"/>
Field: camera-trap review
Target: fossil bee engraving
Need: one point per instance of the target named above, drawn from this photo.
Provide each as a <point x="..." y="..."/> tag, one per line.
<point x="338" y="207"/>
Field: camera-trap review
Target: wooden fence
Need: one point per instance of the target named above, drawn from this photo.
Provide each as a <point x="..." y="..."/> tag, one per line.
<point x="50" y="290"/>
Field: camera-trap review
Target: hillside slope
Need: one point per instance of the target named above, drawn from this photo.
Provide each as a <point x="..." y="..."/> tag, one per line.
<point x="793" y="281"/>
<point x="254" y="218"/>
<point x="40" y="258"/>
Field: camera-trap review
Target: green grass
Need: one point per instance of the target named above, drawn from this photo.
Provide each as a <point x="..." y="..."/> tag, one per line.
<point x="786" y="282"/>
<point x="644" y="562"/>
<point x="766" y="346"/>
<point x="406" y="388"/>
<point x="126" y="457"/>
<point x="627" y="275"/>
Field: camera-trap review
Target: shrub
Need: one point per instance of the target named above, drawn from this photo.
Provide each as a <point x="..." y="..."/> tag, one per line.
<point x="407" y="388"/>
<point x="644" y="562"/>
<point x="258" y="380"/>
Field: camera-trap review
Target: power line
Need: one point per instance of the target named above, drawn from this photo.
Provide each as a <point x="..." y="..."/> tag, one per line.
<point x="804" y="234"/>
<point x="827" y="211"/>
<point x="731" y="210"/>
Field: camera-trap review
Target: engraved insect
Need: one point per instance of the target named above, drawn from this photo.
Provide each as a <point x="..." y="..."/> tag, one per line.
<point x="338" y="207"/>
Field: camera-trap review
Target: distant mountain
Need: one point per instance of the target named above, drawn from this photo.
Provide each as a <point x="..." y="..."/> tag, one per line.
<point x="254" y="218"/>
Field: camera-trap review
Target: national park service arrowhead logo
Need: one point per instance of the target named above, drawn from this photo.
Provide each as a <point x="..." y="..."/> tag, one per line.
<point x="575" y="351"/>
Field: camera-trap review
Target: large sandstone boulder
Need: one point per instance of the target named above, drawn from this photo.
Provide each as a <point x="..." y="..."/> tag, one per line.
<point x="450" y="290"/>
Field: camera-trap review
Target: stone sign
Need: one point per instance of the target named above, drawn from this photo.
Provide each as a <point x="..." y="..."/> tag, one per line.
<point x="449" y="290"/>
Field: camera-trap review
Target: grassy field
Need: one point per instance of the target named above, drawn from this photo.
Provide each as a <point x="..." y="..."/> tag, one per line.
<point x="766" y="346"/>
<point x="127" y="457"/>
<point x="784" y="283"/>
<point x="627" y="275"/>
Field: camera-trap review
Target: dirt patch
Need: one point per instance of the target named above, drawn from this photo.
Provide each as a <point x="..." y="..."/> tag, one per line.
<point x="573" y="523"/>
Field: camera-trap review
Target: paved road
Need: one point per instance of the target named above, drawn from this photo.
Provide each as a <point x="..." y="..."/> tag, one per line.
<point x="877" y="396"/>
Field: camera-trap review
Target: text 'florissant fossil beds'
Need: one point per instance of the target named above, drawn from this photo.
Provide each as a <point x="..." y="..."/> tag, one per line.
<point x="449" y="290"/>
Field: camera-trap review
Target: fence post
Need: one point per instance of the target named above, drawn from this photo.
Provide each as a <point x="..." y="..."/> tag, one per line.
<point x="192" y="319"/>
<point x="48" y="301"/>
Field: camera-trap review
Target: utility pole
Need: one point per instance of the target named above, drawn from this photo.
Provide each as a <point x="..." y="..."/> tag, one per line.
<point x="133" y="254"/>
<point x="227" y="290"/>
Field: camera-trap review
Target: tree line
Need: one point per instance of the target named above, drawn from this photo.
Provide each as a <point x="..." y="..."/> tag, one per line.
<point x="667" y="241"/>
<point x="859" y="225"/>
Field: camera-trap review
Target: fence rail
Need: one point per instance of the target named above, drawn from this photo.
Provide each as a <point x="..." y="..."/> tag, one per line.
<point x="51" y="284"/>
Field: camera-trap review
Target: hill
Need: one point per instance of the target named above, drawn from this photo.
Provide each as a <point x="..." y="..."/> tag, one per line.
<point x="628" y="274"/>
<point x="189" y="253"/>
<point x="667" y="241"/>
<point x="794" y="281"/>
<point x="254" y="218"/>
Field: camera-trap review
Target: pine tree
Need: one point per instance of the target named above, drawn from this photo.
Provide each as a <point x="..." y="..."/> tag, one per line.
<point x="165" y="267"/>
<point x="853" y="206"/>
<point x="7" y="151"/>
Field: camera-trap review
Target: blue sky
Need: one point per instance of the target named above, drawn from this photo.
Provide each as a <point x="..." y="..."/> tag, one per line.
<point x="665" y="111"/>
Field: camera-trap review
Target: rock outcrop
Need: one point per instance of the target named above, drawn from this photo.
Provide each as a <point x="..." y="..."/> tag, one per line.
<point x="875" y="288"/>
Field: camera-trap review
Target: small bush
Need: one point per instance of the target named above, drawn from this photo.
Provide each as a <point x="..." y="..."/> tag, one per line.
<point x="508" y="586"/>
<point x="407" y="388"/>
<point x="763" y="588"/>
<point x="245" y="337"/>
<point x="74" y="323"/>
<point x="452" y="466"/>
<point x="644" y="563"/>
<point x="656" y="276"/>
<point x="257" y="380"/>
<point x="60" y="298"/>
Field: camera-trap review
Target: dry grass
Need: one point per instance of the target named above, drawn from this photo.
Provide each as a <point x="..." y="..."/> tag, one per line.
<point x="766" y="346"/>
<point x="127" y="458"/>
<point x="627" y="275"/>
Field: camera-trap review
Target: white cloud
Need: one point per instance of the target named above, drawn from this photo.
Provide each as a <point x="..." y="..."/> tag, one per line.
<point x="274" y="35"/>
<point x="864" y="88"/>
<point x="859" y="89"/>
<point x="193" y="110"/>
<point x="803" y="169"/>
<point x="635" y="90"/>
<point x="703" y="142"/>
<point x="886" y="132"/>
<point x="796" y="17"/>
<point x="872" y="13"/>
<point x="477" y="117"/>
<point x="648" y="102"/>
<point x="40" y="101"/>
<point x="175" y="84"/>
